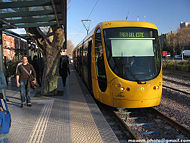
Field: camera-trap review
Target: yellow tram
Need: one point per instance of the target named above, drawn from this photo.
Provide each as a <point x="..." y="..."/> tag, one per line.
<point x="120" y="62"/>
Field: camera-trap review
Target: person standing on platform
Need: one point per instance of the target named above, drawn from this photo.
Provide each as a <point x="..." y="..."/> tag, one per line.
<point x="6" y="78"/>
<point x="64" y="66"/>
<point x="36" y="65"/>
<point x="22" y="79"/>
<point x="3" y="84"/>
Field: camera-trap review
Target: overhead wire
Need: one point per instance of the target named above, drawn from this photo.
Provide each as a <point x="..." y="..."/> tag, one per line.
<point x="93" y="8"/>
<point x="91" y="12"/>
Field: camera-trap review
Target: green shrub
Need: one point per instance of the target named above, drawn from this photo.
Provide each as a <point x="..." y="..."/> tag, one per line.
<point x="185" y="68"/>
<point x="176" y="65"/>
<point x="188" y="61"/>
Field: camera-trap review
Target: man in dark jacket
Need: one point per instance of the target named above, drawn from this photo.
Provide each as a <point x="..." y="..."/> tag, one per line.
<point x="37" y="66"/>
<point x="23" y="80"/>
<point x="64" y="67"/>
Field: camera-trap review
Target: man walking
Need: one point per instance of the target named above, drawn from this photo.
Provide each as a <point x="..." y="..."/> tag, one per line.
<point x="23" y="73"/>
<point x="64" y="67"/>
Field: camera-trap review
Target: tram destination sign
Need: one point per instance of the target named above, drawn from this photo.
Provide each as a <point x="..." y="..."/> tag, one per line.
<point x="131" y="35"/>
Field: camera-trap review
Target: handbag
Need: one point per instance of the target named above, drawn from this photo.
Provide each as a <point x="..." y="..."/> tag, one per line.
<point x="33" y="85"/>
<point x="5" y="118"/>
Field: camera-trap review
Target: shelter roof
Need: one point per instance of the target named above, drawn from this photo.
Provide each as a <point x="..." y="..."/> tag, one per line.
<point x="32" y="13"/>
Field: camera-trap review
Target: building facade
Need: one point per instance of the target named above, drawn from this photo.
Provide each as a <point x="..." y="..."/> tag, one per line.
<point x="184" y="24"/>
<point x="8" y="47"/>
<point x="13" y="46"/>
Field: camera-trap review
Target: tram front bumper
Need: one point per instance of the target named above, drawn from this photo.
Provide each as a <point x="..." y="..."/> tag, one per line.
<point x="121" y="103"/>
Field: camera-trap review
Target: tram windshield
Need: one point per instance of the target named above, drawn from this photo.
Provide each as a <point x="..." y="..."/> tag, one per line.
<point x="133" y="53"/>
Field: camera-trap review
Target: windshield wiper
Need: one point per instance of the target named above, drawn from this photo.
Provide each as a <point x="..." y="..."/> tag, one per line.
<point x="137" y="80"/>
<point x="141" y="82"/>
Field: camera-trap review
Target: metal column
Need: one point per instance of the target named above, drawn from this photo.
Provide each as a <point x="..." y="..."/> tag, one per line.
<point x="65" y="24"/>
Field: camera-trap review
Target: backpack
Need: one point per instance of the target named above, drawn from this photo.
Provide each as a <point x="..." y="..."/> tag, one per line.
<point x="5" y="117"/>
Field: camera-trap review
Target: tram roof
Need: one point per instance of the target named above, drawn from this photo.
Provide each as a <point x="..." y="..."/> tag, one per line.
<point x="32" y="13"/>
<point x="114" y="24"/>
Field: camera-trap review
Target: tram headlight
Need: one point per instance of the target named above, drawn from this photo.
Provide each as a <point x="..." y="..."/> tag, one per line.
<point x="122" y="88"/>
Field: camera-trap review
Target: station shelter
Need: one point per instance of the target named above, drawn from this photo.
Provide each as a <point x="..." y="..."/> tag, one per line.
<point x="34" y="13"/>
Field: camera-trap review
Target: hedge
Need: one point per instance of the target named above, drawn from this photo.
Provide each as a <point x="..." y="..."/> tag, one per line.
<point x="176" y="65"/>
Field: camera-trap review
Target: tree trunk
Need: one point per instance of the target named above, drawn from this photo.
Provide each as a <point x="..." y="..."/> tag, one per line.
<point x="50" y="74"/>
<point x="50" y="45"/>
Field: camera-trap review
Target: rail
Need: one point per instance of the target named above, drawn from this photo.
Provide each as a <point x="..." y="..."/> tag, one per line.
<point x="150" y="123"/>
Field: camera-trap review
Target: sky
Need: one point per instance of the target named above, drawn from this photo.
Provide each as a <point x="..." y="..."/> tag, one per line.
<point x="165" y="14"/>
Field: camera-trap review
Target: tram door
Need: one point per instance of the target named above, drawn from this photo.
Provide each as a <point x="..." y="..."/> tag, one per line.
<point x="99" y="61"/>
<point x="80" y="61"/>
<point x="89" y="65"/>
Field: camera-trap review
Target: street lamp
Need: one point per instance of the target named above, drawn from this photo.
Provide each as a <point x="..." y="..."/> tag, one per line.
<point x="87" y="28"/>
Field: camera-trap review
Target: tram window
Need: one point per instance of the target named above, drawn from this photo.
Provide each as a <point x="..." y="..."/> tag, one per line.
<point x="85" y="52"/>
<point x="130" y="43"/>
<point x="99" y="58"/>
<point x="119" y="47"/>
<point x="98" y="41"/>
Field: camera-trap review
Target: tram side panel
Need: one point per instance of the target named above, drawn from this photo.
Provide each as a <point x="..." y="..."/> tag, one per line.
<point x="78" y="59"/>
<point x="85" y="64"/>
<point x="100" y="79"/>
<point x="89" y="82"/>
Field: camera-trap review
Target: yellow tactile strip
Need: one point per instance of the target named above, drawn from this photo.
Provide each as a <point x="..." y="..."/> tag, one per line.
<point x="83" y="127"/>
<point x="88" y="125"/>
<point x="39" y="129"/>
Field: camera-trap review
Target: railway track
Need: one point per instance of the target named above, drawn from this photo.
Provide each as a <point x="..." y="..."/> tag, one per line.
<point x="176" y="86"/>
<point x="175" y="89"/>
<point x="178" y="74"/>
<point x="149" y="123"/>
<point x="176" y="82"/>
<point x="117" y="126"/>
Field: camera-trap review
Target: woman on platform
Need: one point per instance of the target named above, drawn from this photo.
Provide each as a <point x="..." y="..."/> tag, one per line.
<point x="3" y="84"/>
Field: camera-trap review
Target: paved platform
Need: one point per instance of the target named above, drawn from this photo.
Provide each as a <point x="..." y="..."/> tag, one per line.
<point x="71" y="118"/>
